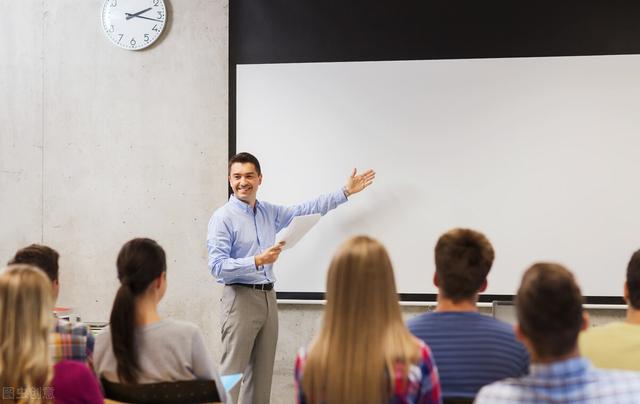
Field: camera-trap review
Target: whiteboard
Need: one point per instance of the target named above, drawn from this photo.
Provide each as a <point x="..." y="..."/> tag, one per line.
<point x="540" y="154"/>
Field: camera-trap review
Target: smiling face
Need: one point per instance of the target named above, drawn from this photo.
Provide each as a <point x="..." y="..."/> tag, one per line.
<point x="244" y="181"/>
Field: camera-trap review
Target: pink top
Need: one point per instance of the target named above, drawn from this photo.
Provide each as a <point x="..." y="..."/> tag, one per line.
<point x="74" y="383"/>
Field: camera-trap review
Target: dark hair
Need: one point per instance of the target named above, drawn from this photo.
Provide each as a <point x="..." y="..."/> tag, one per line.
<point x="463" y="260"/>
<point x="245" y="157"/>
<point x="41" y="256"/>
<point x="633" y="280"/>
<point x="549" y="309"/>
<point x="139" y="263"/>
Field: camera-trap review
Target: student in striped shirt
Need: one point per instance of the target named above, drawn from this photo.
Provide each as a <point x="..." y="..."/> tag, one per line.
<point x="471" y="349"/>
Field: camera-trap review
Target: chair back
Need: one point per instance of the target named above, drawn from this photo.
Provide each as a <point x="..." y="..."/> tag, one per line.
<point x="182" y="392"/>
<point x="457" y="400"/>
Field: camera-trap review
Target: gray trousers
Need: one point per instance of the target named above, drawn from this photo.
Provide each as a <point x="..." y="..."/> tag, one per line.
<point x="249" y="336"/>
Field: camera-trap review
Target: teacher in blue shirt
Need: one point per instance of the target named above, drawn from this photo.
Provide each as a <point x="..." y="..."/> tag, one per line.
<point x="241" y="247"/>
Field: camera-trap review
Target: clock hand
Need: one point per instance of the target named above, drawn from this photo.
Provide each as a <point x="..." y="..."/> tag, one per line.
<point x="130" y="16"/>
<point x="146" y="18"/>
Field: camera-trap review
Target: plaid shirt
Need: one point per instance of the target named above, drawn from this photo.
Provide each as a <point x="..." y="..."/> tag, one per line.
<point x="421" y="387"/>
<point x="570" y="381"/>
<point x="71" y="341"/>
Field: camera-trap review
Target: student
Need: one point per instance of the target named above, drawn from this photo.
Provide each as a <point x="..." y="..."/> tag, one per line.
<point x="550" y="316"/>
<point x="364" y="353"/>
<point x="69" y="341"/>
<point x="26" y="370"/>
<point x="471" y="349"/>
<point x="138" y="346"/>
<point x="617" y="345"/>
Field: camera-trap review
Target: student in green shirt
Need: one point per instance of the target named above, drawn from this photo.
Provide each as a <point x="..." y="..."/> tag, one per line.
<point x="617" y="345"/>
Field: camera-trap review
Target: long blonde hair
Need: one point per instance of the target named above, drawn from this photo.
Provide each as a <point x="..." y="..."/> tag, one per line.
<point x="25" y="321"/>
<point x="362" y="332"/>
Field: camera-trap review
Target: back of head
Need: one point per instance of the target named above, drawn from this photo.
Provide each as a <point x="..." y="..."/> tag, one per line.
<point x="633" y="280"/>
<point x="362" y="333"/>
<point x="41" y="256"/>
<point x="361" y="285"/>
<point x="140" y="262"/>
<point x="549" y="309"/>
<point x="463" y="260"/>
<point x="25" y="321"/>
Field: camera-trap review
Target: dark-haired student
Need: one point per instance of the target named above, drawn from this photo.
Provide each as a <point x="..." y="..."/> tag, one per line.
<point x="617" y="345"/>
<point x="470" y="348"/>
<point x="138" y="346"/>
<point x="72" y="341"/>
<point x="550" y="317"/>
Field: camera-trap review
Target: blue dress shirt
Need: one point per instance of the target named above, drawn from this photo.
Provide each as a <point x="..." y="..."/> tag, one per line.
<point x="237" y="233"/>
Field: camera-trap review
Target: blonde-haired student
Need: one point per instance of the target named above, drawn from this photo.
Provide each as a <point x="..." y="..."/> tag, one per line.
<point x="363" y="352"/>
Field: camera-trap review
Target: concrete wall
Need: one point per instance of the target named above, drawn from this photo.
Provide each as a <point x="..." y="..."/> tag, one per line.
<point x="99" y="145"/>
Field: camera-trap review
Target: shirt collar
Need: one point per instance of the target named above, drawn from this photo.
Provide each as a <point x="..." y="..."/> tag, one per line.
<point x="243" y="206"/>
<point x="561" y="369"/>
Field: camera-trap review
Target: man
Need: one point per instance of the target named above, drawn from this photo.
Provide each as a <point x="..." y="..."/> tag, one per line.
<point x="469" y="348"/>
<point x="550" y="317"/>
<point x="68" y="341"/>
<point x="240" y="242"/>
<point x="617" y="345"/>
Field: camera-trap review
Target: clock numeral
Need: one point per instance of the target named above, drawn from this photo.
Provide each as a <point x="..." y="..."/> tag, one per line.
<point x="156" y="3"/>
<point x="119" y="39"/>
<point x="146" y="37"/>
<point x="112" y="29"/>
<point x="114" y="3"/>
<point x="155" y="28"/>
<point x="132" y="42"/>
<point x="160" y="14"/>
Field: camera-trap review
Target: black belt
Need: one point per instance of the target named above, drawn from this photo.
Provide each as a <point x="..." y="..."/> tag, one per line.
<point x="258" y="286"/>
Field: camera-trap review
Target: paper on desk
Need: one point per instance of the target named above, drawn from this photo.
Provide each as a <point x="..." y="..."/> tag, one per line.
<point x="298" y="227"/>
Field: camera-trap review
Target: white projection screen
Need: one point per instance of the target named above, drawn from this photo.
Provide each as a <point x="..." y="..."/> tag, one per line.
<point x="542" y="154"/>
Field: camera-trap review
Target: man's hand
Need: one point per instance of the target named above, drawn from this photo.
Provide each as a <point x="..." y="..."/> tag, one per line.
<point x="357" y="183"/>
<point x="270" y="255"/>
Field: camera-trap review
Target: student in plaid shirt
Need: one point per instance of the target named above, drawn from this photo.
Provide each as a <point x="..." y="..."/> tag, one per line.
<point x="364" y="353"/>
<point x="67" y="341"/>
<point x="550" y="316"/>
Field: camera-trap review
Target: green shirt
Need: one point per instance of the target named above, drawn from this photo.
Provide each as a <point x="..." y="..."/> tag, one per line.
<point x="612" y="346"/>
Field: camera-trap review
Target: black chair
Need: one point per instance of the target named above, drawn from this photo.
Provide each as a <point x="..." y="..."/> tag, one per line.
<point x="183" y="392"/>
<point x="457" y="400"/>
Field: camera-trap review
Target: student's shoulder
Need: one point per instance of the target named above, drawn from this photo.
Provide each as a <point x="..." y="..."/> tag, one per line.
<point x="180" y="326"/>
<point x="420" y="320"/>
<point x="504" y="391"/>
<point x="604" y="331"/>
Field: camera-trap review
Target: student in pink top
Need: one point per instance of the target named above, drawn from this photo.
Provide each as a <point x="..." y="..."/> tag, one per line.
<point x="26" y="371"/>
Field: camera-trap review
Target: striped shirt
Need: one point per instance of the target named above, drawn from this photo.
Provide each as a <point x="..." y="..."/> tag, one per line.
<point x="421" y="386"/>
<point x="570" y="381"/>
<point x="471" y="350"/>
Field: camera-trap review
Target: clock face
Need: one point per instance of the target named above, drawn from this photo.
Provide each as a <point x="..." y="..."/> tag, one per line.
<point x="133" y="24"/>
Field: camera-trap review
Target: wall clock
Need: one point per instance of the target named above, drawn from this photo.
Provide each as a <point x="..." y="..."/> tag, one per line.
<point x="133" y="24"/>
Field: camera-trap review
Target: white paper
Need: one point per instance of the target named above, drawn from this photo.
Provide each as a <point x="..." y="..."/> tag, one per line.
<point x="298" y="227"/>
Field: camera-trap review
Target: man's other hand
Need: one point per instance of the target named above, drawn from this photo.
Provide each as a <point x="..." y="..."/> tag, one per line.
<point x="358" y="182"/>
<point x="270" y="255"/>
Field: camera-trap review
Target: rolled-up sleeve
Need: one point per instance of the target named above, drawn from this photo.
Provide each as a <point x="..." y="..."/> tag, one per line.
<point x="322" y="204"/>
